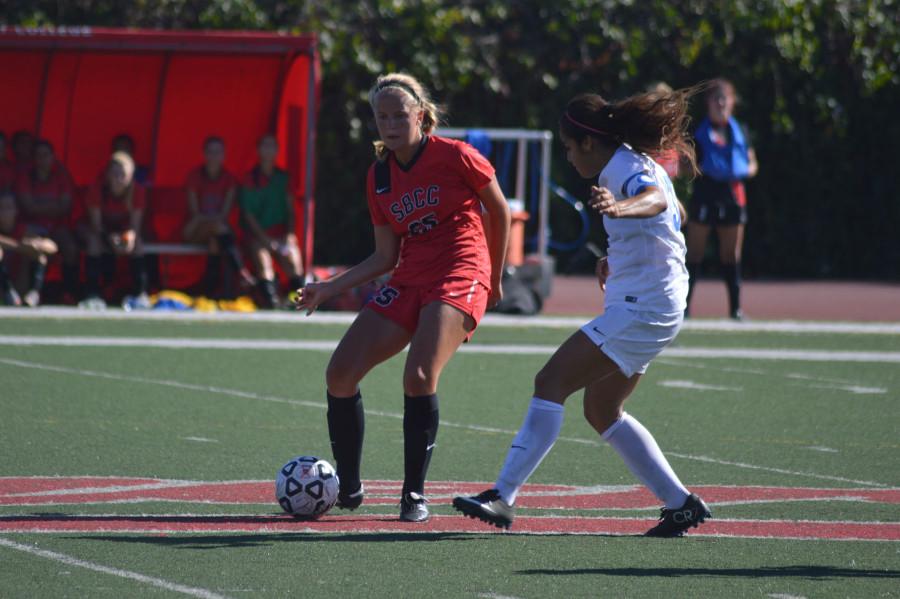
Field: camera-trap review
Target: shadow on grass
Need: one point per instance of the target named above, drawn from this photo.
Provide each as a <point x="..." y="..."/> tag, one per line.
<point x="207" y="541"/>
<point x="808" y="572"/>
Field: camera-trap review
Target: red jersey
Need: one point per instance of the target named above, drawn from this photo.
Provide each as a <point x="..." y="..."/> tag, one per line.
<point x="115" y="211"/>
<point x="45" y="193"/>
<point x="7" y="176"/>
<point x="211" y="193"/>
<point x="433" y="206"/>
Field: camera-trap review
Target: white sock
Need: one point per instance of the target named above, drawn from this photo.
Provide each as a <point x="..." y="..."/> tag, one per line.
<point x="645" y="460"/>
<point x="530" y="445"/>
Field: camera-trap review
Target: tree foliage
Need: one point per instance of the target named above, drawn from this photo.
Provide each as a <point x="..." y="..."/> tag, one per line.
<point x="819" y="82"/>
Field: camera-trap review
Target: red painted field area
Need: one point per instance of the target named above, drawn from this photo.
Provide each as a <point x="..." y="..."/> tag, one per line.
<point x="33" y="491"/>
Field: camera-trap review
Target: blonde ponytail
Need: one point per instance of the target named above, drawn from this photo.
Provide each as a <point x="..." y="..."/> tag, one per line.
<point x="417" y="93"/>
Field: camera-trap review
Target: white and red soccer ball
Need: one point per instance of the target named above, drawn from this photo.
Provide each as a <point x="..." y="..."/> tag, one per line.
<point x="306" y="487"/>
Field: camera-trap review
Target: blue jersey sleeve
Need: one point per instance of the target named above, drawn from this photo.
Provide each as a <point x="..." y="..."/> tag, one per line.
<point x="637" y="183"/>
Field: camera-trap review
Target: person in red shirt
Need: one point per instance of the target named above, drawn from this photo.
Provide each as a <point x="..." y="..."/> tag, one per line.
<point x="13" y="239"/>
<point x="7" y="172"/>
<point x="425" y="196"/>
<point x="211" y="192"/>
<point x="44" y="192"/>
<point x="115" y="209"/>
<point x="23" y="150"/>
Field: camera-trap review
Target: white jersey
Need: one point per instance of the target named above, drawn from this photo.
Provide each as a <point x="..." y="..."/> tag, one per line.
<point x="646" y="255"/>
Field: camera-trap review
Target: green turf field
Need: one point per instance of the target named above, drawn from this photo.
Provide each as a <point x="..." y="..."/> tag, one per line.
<point x="235" y="412"/>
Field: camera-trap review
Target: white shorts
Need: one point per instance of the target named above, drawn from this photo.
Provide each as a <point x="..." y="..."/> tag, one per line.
<point x="632" y="338"/>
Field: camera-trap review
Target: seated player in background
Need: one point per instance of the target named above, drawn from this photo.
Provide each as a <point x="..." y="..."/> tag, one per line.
<point x="645" y="282"/>
<point x="23" y="150"/>
<point x="44" y="193"/>
<point x="115" y="210"/>
<point x="125" y="143"/>
<point x="30" y="248"/>
<point x="211" y="192"/>
<point x="267" y="217"/>
<point x="7" y="171"/>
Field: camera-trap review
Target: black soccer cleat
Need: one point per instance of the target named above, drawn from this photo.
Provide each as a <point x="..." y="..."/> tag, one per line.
<point x="488" y="507"/>
<point x="413" y="508"/>
<point x="350" y="501"/>
<point x="674" y="523"/>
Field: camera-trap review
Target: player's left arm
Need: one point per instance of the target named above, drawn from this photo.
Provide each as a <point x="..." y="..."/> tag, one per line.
<point x="752" y="164"/>
<point x="130" y="236"/>
<point x="495" y="203"/>
<point x="646" y="204"/>
<point x="228" y="203"/>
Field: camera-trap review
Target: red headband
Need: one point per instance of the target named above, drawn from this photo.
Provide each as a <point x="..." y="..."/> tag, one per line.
<point x="583" y="126"/>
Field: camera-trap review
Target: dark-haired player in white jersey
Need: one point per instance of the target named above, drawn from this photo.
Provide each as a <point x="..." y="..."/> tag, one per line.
<point x="645" y="281"/>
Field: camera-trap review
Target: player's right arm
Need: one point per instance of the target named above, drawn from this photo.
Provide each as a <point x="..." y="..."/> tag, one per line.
<point x="382" y="260"/>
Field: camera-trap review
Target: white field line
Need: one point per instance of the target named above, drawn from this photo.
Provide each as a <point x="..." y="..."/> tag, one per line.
<point x="695" y="386"/>
<point x="837" y="384"/>
<point x="490" y="320"/>
<point x="399" y="416"/>
<point x="78" y="563"/>
<point x="500" y="349"/>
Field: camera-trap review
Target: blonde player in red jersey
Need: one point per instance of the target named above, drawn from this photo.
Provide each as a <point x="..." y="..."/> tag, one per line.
<point x="425" y="196"/>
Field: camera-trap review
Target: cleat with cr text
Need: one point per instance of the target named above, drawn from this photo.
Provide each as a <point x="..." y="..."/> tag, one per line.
<point x="674" y="523"/>
<point x="488" y="507"/>
<point x="413" y="508"/>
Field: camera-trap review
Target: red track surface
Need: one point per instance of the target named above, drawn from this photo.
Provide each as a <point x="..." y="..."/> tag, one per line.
<point x="95" y="490"/>
<point x="798" y="300"/>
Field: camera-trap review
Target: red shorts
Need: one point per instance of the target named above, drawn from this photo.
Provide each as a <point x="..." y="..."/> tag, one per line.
<point x="403" y="303"/>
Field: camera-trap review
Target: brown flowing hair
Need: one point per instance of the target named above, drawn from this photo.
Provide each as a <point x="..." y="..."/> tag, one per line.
<point x="654" y="122"/>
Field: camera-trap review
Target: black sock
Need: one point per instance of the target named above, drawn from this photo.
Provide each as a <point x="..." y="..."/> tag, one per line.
<point x="70" y="273"/>
<point x="92" y="266"/>
<point x="346" y="427"/>
<point x="139" y="274"/>
<point x="296" y="282"/>
<point x="38" y="271"/>
<point x="420" y="426"/>
<point x="231" y="252"/>
<point x="228" y="291"/>
<point x="269" y="292"/>
<point x="731" y="274"/>
<point x="211" y="276"/>
<point x="4" y="277"/>
<point x="693" y="269"/>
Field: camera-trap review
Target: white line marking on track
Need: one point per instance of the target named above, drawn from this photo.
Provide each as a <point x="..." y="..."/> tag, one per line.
<point x="695" y="386"/>
<point x="72" y="561"/>
<point x="490" y="320"/>
<point x="521" y="349"/>
<point x="493" y="595"/>
<point x="785" y="596"/>
<point x="200" y="439"/>
<point x="396" y="415"/>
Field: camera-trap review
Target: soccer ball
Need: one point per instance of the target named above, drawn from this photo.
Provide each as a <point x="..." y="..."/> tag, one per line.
<point x="306" y="487"/>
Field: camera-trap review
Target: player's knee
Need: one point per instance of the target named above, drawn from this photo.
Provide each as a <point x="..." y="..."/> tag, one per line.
<point x="547" y="386"/>
<point x="341" y="378"/>
<point x="419" y="381"/>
